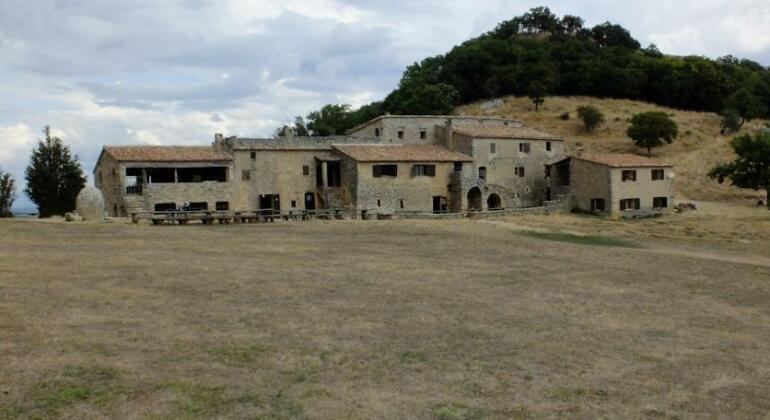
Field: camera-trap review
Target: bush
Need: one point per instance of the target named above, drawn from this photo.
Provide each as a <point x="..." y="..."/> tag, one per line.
<point x="564" y="116"/>
<point x="591" y="117"/>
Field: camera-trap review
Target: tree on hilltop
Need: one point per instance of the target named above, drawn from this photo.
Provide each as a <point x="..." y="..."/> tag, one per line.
<point x="652" y="129"/>
<point x="536" y="93"/>
<point x="751" y="169"/>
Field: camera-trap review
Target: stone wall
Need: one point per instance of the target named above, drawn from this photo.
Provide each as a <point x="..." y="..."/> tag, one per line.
<point x="644" y="188"/>
<point x="589" y="180"/>
<point x="386" y="194"/>
<point x="108" y="178"/>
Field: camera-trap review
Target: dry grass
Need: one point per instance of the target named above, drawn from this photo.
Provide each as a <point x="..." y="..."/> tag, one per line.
<point x="450" y="320"/>
<point x="698" y="148"/>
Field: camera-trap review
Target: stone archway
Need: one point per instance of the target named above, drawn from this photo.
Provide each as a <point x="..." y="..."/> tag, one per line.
<point x="474" y="199"/>
<point x="494" y="202"/>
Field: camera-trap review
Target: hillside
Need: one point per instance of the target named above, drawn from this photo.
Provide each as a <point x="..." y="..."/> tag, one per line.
<point x="697" y="149"/>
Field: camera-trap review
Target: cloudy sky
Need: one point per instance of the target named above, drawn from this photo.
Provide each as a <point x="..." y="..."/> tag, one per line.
<point x="178" y="71"/>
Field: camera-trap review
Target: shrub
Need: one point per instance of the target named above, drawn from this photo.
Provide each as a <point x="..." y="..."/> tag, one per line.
<point x="591" y="117"/>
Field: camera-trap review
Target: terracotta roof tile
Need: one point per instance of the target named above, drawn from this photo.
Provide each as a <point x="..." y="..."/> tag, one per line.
<point x="503" y="132"/>
<point x="401" y="153"/>
<point x="623" y="160"/>
<point x="166" y="154"/>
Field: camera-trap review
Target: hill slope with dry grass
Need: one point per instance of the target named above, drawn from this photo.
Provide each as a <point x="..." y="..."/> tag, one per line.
<point x="698" y="148"/>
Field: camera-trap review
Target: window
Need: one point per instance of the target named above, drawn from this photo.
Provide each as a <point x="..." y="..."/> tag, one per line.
<point x="245" y="175"/>
<point x="253" y="155"/>
<point x="423" y="134"/>
<point x="519" y="171"/>
<point x="628" y="176"/>
<point x="629" y="204"/>
<point x="424" y="170"/>
<point x="376" y="132"/>
<point x="547" y="171"/>
<point x="223" y="205"/>
<point x="333" y="174"/>
<point x="492" y="148"/>
<point x="401" y="134"/>
<point x="198" y="206"/>
<point x="379" y="203"/>
<point x="319" y="175"/>
<point x="660" y="202"/>
<point x="458" y="167"/>
<point x="401" y="203"/>
<point x="658" y="174"/>
<point x="597" y="205"/>
<point x="524" y="147"/>
<point x="305" y="170"/>
<point x="384" y="170"/>
<point x="548" y="146"/>
<point x="159" y="207"/>
<point x="293" y="203"/>
<point x="483" y="172"/>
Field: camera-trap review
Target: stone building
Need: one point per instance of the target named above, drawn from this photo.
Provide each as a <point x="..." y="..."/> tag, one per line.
<point x="614" y="183"/>
<point x="390" y="164"/>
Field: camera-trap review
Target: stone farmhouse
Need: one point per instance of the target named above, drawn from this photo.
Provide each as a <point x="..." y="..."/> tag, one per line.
<point x="614" y="183"/>
<point x="389" y="165"/>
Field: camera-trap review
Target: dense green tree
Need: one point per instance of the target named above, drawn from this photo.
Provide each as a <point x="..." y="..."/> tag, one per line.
<point x="751" y="168"/>
<point x="300" y="128"/>
<point x="7" y="193"/>
<point x="568" y="59"/>
<point x="330" y="120"/>
<point x="591" y="117"/>
<point x="731" y="121"/>
<point x="536" y="93"/>
<point x="54" y="177"/>
<point x="747" y="105"/>
<point x="652" y="129"/>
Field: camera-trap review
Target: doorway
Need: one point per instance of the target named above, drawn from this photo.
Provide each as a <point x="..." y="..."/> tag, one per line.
<point x="474" y="199"/>
<point x="270" y="202"/>
<point x="310" y="201"/>
<point x="440" y="204"/>
<point x="494" y="202"/>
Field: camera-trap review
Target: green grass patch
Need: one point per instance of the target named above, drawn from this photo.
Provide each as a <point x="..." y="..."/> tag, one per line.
<point x="591" y="240"/>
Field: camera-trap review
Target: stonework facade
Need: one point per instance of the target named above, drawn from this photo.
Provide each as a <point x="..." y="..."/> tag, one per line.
<point x="614" y="184"/>
<point x="392" y="164"/>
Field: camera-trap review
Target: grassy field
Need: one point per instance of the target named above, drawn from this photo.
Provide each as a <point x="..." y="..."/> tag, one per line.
<point x="698" y="148"/>
<point x="517" y="318"/>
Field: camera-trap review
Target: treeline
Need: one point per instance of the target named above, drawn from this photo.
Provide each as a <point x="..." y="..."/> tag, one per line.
<point x="567" y="59"/>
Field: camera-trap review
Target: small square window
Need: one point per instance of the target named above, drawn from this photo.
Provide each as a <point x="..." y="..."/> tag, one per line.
<point x="246" y="175"/>
<point x="305" y="170"/>
<point x="519" y="171"/>
<point x="253" y="155"/>
<point x="458" y="166"/>
<point x="483" y="172"/>
<point x="401" y="134"/>
<point x="658" y="174"/>
<point x="660" y="202"/>
<point x="548" y="146"/>
<point x="524" y="147"/>
<point x="423" y="134"/>
<point x="223" y="205"/>
<point x="293" y="203"/>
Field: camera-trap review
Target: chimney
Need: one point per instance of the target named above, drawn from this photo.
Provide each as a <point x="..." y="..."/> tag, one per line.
<point x="219" y="140"/>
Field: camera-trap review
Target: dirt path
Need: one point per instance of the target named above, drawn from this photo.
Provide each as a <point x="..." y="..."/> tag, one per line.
<point x="727" y="257"/>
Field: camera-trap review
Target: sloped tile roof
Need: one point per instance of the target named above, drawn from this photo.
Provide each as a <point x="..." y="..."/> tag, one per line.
<point x="166" y="154"/>
<point x="623" y="160"/>
<point x="503" y="132"/>
<point x="401" y="153"/>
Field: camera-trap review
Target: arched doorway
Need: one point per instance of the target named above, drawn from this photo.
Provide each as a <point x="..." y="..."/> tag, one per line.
<point x="494" y="202"/>
<point x="474" y="199"/>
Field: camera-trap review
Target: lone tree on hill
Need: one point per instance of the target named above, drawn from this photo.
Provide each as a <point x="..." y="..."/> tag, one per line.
<point x="54" y="177"/>
<point x="747" y="105"/>
<point x="731" y="121"/>
<point x="536" y="93"/>
<point x="7" y="193"/>
<point x="591" y="117"/>
<point x="751" y="169"/>
<point x="652" y="129"/>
